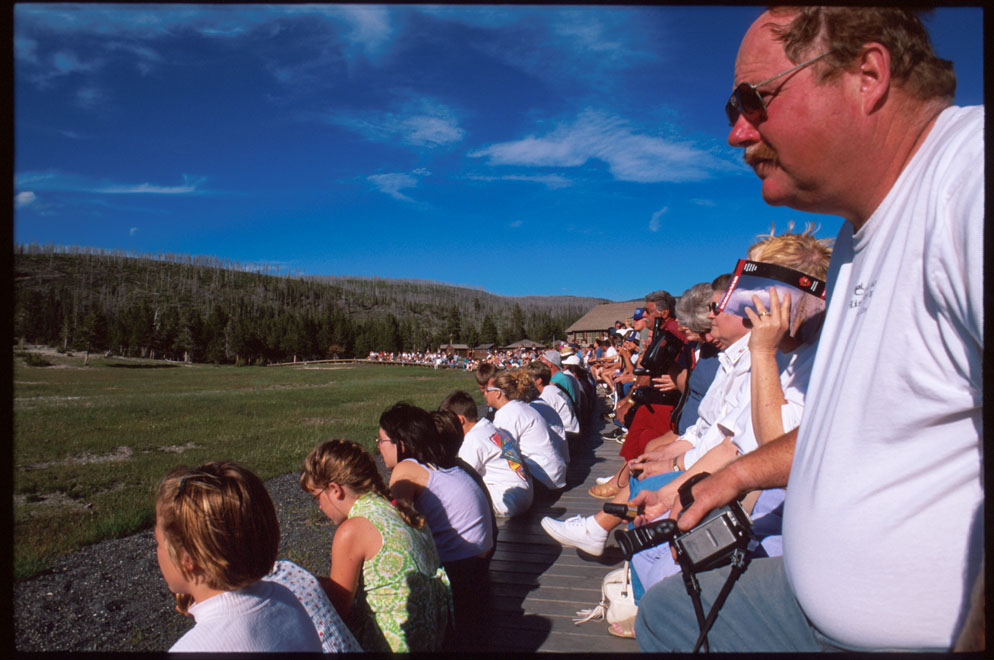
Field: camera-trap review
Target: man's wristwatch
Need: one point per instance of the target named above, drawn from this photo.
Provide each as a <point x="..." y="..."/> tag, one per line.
<point x="676" y="464"/>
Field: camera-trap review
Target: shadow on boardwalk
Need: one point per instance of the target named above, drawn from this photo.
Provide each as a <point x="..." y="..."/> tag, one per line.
<point x="537" y="585"/>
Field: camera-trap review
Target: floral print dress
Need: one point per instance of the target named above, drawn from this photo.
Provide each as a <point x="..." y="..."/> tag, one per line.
<point x="404" y="602"/>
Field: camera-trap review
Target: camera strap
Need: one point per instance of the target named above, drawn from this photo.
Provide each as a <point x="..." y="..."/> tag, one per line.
<point x="740" y="560"/>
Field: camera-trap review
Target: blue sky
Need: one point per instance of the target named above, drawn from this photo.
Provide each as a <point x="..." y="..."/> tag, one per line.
<point x="524" y="150"/>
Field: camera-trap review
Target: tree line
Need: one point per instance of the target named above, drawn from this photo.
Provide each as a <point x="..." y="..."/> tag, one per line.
<point x="203" y="309"/>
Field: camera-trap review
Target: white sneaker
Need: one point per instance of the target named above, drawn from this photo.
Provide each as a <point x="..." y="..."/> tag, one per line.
<point x="575" y="532"/>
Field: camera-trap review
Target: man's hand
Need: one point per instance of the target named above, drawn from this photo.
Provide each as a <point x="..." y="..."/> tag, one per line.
<point x="657" y="502"/>
<point x="712" y="492"/>
<point x="664" y="383"/>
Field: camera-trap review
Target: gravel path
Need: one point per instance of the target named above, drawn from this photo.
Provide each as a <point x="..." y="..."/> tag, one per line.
<point x="111" y="596"/>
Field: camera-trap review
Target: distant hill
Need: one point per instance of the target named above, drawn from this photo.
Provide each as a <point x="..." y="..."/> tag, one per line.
<point x="203" y="309"/>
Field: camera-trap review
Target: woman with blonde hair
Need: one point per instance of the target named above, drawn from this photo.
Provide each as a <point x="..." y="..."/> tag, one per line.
<point x="403" y="602"/>
<point x="545" y="454"/>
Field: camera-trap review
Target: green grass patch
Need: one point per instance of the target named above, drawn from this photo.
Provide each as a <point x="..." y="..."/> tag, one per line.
<point x="90" y="444"/>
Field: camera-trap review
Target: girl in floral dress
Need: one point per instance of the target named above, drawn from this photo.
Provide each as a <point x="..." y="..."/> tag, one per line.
<point x="386" y="579"/>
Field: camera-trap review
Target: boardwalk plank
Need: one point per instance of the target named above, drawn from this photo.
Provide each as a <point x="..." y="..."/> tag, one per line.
<point x="537" y="585"/>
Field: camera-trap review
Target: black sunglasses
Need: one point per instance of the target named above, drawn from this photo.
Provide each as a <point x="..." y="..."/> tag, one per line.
<point x="713" y="308"/>
<point x="746" y="99"/>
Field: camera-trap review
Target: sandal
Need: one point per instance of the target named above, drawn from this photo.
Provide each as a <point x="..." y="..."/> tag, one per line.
<point x="604" y="491"/>
<point x="624" y="628"/>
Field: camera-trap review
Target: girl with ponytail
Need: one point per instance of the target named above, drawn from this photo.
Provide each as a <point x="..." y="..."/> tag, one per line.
<point x="403" y="601"/>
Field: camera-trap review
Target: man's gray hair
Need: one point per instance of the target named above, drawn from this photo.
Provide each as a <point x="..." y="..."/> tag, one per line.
<point x="692" y="308"/>
<point x="663" y="300"/>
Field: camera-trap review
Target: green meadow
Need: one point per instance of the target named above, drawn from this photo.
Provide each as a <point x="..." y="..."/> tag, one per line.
<point x="91" y="443"/>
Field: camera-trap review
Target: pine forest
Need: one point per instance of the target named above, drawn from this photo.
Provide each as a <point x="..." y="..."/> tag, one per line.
<point x="203" y="309"/>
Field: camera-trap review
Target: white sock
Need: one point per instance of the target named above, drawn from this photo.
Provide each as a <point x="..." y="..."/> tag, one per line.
<point x="595" y="530"/>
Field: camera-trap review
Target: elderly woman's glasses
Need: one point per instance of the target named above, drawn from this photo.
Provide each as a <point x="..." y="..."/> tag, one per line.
<point x="746" y="99"/>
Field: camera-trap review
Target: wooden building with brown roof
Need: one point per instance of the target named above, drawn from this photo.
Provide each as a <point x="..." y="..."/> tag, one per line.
<point x="596" y="322"/>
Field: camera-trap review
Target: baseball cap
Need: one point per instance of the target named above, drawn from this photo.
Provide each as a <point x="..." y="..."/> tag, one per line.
<point x="554" y="357"/>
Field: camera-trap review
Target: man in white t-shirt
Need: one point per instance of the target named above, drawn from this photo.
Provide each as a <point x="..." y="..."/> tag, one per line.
<point x="847" y="111"/>
<point x="495" y="456"/>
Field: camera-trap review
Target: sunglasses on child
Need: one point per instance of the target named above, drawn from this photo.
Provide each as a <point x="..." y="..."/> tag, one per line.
<point x="746" y="99"/>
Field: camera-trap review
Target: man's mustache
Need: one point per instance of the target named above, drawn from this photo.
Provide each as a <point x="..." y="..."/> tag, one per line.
<point x="759" y="152"/>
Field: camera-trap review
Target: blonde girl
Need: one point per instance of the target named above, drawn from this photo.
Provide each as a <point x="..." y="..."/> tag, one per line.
<point x="386" y="579"/>
<point x="217" y="536"/>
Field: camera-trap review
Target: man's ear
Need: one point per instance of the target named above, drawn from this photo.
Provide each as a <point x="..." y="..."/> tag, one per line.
<point x="873" y="76"/>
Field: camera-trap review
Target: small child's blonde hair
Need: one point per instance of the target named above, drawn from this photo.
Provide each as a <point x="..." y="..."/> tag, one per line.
<point x="221" y="516"/>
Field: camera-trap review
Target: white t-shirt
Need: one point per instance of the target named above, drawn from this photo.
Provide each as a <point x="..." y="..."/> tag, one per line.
<point x="264" y="616"/>
<point x="883" y="525"/>
<point x="559" y="401"/>
<point x="551" y="418"/>
<point x="794" y="385"/>
<point x="543" y="451"/>
<point x="494" y="454"/>
<point x="729" y="385"/>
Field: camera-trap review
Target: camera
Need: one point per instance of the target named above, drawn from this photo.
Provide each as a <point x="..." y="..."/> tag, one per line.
<point x="661" y="352"/>
<point x="708" y="545"/>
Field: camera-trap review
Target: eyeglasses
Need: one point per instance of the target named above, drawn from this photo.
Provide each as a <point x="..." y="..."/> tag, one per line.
<point x="713" y="308"/>
<point x="746" y="99"/>
<point x="317" y="498"/>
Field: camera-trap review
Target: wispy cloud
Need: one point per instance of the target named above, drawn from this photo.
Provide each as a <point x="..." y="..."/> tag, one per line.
<point x="25" y="198"/>
<point x="517" y="223"/>
<point x="132" y="231"/>
<point x="60" y="181"/>
<point x="552" y="181"/>
<point x="421" y="122"/>
<point x="629" y="154"/>
<point x="370" y="26"/>
<point x="90" y="97"/>
<point x="654" y="220"/>
<point x="391" y="184"/>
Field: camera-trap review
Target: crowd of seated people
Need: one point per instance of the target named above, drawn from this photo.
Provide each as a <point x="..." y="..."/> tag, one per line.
<point x="753" y="392"/>
<point x="727" y="383"/>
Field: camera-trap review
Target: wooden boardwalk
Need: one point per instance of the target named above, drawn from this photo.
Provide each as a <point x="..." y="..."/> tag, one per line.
<point x="537" y="585"/>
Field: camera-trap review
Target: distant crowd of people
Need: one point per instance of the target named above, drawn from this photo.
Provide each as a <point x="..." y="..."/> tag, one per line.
<point x="833" y="390"/>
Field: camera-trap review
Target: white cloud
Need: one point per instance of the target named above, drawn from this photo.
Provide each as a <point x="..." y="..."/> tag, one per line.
<point x="132" y="231"/>
<point x="421" y="122"/>
<point x="89" y="97"/>
<point x="392" y="184"/>
<point x="26" y="50"/>
<point x="25" y="198"/>
<point x="60" y="181"/>
<point x="654" y="220"/>
<point x="629" y="154"/>
<point x="517" y="223"/>
<point x="371" y="27"/>
<point x="66" y="62"/>
<point x="552" y="181"/>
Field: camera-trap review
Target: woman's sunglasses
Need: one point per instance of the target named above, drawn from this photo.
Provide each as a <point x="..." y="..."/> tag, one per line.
<point x="746" y="99"/>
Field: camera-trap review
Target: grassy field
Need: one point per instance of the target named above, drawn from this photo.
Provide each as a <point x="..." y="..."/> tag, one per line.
<point x="91" y="443"/>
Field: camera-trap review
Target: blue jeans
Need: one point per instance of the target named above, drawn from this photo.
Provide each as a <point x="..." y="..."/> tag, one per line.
<point x="655" y="482"/>
<point x="760" y="614"/>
